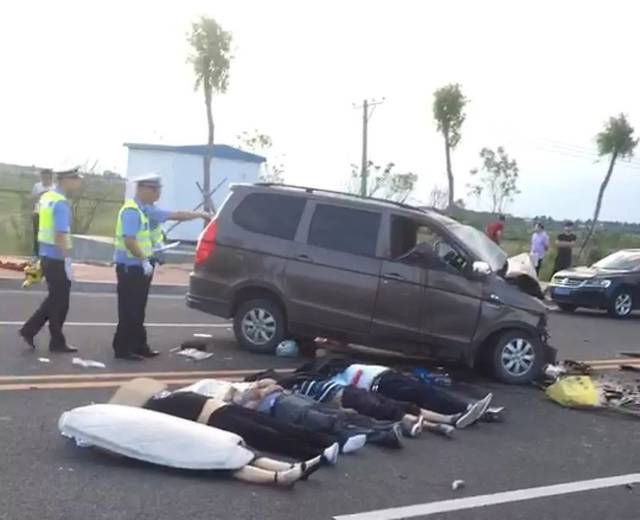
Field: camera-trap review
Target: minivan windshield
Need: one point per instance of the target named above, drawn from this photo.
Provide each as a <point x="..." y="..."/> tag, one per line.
<point x="620" y="261"/>
<point x="480" y="245"/>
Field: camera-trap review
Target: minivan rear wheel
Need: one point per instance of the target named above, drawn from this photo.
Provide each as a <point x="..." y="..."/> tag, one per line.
<point x="516" y="357"/>
<point x="259" y="325"/>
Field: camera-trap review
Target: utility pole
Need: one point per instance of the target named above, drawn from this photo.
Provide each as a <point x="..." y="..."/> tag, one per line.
<point x="366" y="115"/>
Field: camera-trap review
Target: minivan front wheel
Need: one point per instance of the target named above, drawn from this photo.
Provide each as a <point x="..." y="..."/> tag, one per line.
<point x="259" y="325"/>
<point x="517" y="357"/>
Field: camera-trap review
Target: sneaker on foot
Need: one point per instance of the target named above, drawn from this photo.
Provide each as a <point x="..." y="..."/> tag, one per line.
<point x="446" y="430"/>
<point x="354" y="443"/>
<point x="330" y="454"/>
<point x="473" y="413"/>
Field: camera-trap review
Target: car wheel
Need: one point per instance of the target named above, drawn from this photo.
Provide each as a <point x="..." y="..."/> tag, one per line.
<point x="621" y="304"/>
<point x="259" y="325"/>
<point x="517" y="358"/>
<point x="565" y="307"/>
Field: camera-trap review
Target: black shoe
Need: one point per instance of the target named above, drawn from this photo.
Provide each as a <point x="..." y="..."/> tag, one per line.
<point x="130" y="356"/>
<point x="391" y="438"/>
<point x="63" y="349"/>
<point x="148" y="353"/>
<point x="29" y="340"/>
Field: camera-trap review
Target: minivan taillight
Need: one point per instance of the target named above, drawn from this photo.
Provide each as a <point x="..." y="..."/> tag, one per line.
<point x="206" y="242"/>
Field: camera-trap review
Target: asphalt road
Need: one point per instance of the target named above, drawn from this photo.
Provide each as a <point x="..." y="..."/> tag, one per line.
<point x="44" y="476"/>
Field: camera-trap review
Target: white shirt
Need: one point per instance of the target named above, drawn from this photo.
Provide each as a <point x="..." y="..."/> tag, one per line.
<point x="360" y="376"/>
<point x="37" y="191"/>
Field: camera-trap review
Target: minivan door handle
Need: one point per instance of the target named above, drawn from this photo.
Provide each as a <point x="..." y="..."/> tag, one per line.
<point x="393" y="276"/>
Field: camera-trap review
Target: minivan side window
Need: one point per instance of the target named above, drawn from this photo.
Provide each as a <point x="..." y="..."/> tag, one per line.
<point x="407" y="234"/>
<point x="348" y="230"/>
<point x="270" y="214"/>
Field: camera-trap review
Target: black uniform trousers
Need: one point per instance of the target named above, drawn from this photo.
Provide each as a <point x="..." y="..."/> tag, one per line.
<point x="55" y="306"/>
<point x="133" y="293"/>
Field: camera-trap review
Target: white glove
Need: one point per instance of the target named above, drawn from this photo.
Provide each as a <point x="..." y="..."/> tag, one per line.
<point x="68" y="269"/>
<point x="147" y="268"/>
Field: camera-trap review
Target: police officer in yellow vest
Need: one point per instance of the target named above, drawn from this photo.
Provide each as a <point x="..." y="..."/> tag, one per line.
<point x="54" y="240"/>
<point x="134" y="258"/>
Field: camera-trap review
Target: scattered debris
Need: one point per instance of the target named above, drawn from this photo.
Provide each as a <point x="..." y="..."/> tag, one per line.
<point x="44" y="360"/>
<point x="194" y="354"/>
<point x="553" y="372"/>
<point x="200" y="335"/>
<point x="194" y="344"/>
<point x="87" y="363"/>
<point x="288" y="348"/>
<point x="629" y="486"/>
<point x="457" y="484"/>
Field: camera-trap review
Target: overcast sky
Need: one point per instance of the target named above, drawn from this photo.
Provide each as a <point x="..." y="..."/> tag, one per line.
<point x="77" y="79"/>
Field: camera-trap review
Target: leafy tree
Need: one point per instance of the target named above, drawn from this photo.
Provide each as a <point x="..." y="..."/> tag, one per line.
<point x="616" y="140"/>
<point x="448" y="111"/>
<point x="256" y="142"/>
<point x="438" y="198"/>
<point x="498" y="178"/>
<point x="211" y="58"/>
<point x="385" y="184"/>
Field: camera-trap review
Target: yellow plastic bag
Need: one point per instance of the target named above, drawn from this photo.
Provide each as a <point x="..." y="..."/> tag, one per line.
<point x="574" y="391"/>
<point x="32" y="274"/>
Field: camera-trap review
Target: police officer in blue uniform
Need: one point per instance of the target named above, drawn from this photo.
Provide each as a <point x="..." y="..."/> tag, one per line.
<point x="134" y="259"/>
<point x="54" y="241"/>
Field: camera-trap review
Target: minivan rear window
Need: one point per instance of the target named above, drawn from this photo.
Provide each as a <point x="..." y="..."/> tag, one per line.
<point x="270" y="214"/>
<point x="343" y="229"/>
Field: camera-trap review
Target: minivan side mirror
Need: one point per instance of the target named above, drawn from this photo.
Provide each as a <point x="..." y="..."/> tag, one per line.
<point x="481" y="269"/>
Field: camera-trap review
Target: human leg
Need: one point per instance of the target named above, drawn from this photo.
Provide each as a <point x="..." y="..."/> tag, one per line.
<point x="130" y="285"/>
<point x="431" y="397"/>
<point x="376" y="405"/>
<point x="59" y="295"/>
<point x="260" y="431"/>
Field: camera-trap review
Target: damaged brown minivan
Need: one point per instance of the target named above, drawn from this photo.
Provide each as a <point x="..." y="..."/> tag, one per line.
<point x="300" y="262"/>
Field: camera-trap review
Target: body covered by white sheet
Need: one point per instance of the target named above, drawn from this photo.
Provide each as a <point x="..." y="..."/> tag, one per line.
<point x="154" y="437"/>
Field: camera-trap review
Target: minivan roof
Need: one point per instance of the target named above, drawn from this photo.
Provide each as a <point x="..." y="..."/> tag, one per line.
<point x="360" y="200"/>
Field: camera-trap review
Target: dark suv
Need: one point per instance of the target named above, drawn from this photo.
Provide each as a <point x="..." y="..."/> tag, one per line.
<point x="288" y="262"/>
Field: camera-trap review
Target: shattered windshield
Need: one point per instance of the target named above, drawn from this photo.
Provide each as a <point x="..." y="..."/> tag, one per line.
<point x="620" y="261"/>
<point x="484" y="248"/>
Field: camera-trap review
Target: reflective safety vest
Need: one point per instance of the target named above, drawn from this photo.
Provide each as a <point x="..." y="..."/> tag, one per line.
<point x="46" y="227"/>
<point x="143" y="236"/>
<point x="156" y="236"/>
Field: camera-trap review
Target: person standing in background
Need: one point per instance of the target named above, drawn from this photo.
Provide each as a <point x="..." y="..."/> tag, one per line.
<point x="54" y="237"/>
<point x="564" y="243"/>
<point x="495" y="229"/>
<point x="44" y="185"/>
<point x="539" y="246"/>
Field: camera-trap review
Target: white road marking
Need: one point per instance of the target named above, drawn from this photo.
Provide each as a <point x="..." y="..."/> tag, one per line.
<point x="505" y="497"/>
<point x="28" y="292"/>
<point x="112" y="324"/>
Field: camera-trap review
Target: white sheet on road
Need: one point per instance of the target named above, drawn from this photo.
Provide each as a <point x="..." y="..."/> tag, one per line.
<point x="154" y="437"/>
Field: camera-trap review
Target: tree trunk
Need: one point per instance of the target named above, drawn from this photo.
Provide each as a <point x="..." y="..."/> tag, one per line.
<point x="596" y="213"/>
<point x="206" y="160"/>
<point x="447" y="153"/>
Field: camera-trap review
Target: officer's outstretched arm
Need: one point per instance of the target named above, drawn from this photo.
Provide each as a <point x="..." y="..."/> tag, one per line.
<point x="188" y="215"/>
